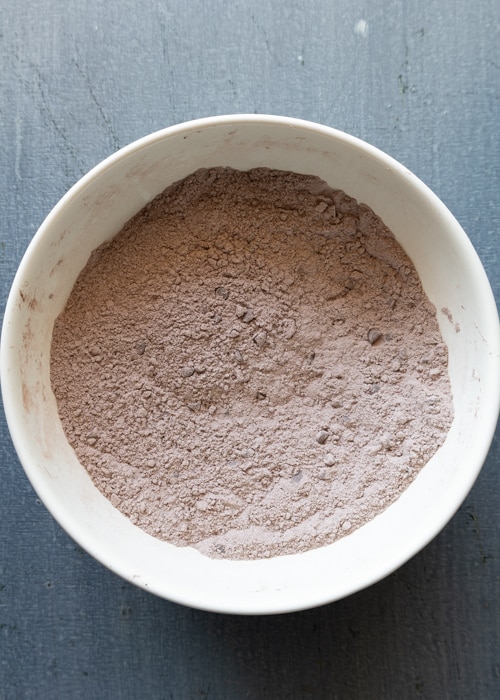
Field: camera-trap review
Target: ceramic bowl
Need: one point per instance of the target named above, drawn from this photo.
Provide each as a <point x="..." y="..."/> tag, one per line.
<point x="96" y="208"/>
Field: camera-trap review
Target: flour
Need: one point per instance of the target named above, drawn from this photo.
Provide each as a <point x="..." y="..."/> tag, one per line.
<point x="251" y="366"/>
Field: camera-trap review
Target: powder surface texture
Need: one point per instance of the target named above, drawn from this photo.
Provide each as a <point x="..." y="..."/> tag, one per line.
<point x="251" y="367"/>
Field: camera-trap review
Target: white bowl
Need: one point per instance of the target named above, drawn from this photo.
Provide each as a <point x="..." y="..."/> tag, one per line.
<point x="96" y="208"/>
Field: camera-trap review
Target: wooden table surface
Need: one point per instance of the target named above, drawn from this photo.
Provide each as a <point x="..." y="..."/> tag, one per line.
<point x="78" y="80"/>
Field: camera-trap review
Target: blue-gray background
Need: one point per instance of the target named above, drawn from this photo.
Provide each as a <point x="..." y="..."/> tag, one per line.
<point x="421" y="80"/>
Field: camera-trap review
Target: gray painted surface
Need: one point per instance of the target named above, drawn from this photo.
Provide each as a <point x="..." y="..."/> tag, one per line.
<point x="80" y="79"/>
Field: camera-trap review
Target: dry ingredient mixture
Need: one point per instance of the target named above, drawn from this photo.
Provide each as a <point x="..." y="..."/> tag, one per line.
<point x="251" y="367"/>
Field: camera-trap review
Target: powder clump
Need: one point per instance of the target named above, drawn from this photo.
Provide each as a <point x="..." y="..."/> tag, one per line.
<point x="251" y="366"/>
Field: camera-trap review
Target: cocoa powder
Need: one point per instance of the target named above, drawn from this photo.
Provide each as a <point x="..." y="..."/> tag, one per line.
<point x="251" y="367"/>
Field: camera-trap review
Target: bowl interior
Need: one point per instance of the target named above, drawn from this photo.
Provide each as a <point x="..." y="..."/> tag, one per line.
<point x="96" y="209"/>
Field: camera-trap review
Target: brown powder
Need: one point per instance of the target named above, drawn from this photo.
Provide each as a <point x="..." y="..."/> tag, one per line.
<point x="251" y="366"/>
